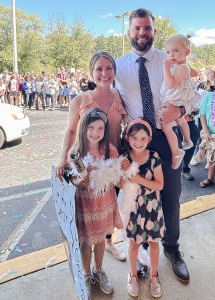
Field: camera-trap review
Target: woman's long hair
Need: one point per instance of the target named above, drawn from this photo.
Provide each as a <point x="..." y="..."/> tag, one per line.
<point x="81" y="141"/>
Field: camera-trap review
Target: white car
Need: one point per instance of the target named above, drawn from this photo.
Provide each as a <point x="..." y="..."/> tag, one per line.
<point x="13" y="123"/>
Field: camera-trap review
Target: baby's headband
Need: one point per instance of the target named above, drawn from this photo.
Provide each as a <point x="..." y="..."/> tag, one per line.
<point x="139" y="121"/>
<point x="99" y="114"/>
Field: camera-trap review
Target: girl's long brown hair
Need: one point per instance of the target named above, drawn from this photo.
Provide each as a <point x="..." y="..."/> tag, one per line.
<point x="81" y="142"/>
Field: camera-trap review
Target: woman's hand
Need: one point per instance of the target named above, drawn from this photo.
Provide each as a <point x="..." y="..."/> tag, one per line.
<point x="125" y="164"/>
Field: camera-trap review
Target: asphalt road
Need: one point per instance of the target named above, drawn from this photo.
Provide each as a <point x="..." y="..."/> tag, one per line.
<point x="28" y="220"/>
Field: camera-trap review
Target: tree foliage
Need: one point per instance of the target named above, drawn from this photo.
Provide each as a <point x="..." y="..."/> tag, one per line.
<point x="55" y="43"/>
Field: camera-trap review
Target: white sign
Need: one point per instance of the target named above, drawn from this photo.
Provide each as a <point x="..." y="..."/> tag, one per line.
<point x="64" y="199"/>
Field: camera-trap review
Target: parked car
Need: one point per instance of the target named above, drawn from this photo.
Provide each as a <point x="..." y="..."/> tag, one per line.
<point x="14" y="123"/>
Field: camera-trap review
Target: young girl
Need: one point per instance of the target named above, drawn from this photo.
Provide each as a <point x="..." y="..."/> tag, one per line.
<point x="146" y="221"/>
<point x="207" y="117"/>
<point x="177" y="89"/>
<point x="96" y="216"/>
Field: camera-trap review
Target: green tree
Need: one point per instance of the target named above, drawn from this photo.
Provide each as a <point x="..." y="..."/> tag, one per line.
<point x="29" y="40"/>
<point x="165" y="28"/>
<point x="68" y="45"/>
<point x="204" y="54"/>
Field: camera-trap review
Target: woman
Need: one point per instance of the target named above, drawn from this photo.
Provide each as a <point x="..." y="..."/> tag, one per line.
<point x="201" y="75"/>
<point x="100" y="94"/>
<point x="209" y="86"/>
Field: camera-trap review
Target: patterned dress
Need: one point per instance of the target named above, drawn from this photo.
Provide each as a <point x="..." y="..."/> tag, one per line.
<point x="147" y="222"/>
<point x="97" y="217"/>
<point x="181" y="94"/>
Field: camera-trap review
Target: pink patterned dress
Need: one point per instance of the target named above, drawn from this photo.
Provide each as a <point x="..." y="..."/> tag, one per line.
<point x="97" y="216"/>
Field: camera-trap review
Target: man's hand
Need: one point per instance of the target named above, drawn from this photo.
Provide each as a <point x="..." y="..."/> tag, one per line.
<point x="167" y="113"/>
<point x="59" y="169"/>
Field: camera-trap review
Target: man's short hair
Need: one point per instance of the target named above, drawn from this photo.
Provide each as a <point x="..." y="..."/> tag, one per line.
<point x="141" y="13"/>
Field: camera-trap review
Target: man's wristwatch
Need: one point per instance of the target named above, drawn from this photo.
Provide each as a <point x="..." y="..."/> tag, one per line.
<point x="182" y="110"/>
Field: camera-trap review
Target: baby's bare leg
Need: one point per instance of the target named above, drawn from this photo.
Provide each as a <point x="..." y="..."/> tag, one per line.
<point x="184" y="128"/>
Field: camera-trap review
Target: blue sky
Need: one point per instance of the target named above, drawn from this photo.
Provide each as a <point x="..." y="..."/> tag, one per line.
<point x="99" y="16"/>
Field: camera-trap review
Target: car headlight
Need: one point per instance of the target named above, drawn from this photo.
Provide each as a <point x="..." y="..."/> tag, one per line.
<point x="18" y="115"/>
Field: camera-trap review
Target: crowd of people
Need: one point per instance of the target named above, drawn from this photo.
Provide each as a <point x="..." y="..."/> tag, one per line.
<point x="44" y="90"/>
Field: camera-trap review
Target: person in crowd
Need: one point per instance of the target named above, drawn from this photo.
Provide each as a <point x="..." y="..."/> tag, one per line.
<point x="92" y="137"/>
<point x="139" y="85"/>
<point x="207" y="147"/>
<point x="63" y="91"/>
<point x="102" y="70"/>
<point x="72" y="87"/>
<point x="14" y="89"/>
<point x="84" y="82"/>
<point x="50" y="90"/>
<point x="177" y="89"/>
<point x="6" y="78"/>
<point x="201" y="75"/>
<point x="27" y="86"/>
<point x="2" y="91"/>
<point x="207" y="86"/>
<point x="39" y="92"/>
<point x="32" y="77"/>
<point x="146" y="221"/>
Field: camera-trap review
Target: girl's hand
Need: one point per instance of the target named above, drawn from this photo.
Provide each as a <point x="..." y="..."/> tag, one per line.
<point x="90" y="168"/>
<point x="135" y="179"/>
<point x="167" y="63"/>
<point x="125" y="164"/>
<point x="121" y="183"/>
<point x="81" y="182"/>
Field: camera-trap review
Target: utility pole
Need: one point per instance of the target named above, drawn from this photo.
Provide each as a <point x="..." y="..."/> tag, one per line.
<point x="15" y="62"/>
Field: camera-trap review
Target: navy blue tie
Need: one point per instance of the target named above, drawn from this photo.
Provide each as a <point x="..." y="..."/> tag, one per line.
<point x="146" y="93"/>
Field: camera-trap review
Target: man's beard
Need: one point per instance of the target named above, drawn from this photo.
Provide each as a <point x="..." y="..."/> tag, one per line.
<point x="141" y="47"/>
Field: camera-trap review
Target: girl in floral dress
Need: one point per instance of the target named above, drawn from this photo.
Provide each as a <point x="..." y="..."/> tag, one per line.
<point x="146" y="220"/>
<point x="96" y="216"/>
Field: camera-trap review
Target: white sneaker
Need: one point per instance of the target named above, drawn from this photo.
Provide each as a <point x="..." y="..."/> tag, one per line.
<point x="207" y="166"/>
<point x="187" y="145"/>
<point x="102" y="279"/>
<point x="193" y="162"/>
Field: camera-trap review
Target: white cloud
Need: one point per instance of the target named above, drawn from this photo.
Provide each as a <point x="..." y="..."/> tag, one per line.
<point x="106" y="16"/>
<point x="126" y="22"/>
<point x="110" y="31"/>
<point x="204" y="37"/>
<point x="118" y="34"/>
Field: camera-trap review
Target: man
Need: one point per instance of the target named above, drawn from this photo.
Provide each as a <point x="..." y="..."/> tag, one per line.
<point x="141" y="34"/>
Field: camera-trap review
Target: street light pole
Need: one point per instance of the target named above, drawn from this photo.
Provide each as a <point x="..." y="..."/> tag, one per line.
<point x="119" y="17"/>
<point x="15" y="63"/>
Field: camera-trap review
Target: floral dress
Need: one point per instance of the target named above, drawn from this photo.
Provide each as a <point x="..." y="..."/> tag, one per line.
<point x="146" y="223"/>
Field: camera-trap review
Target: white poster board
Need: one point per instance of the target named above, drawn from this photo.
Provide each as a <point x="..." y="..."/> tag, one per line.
<point x="72" y="70"/>
<point x="64" y="199"/>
